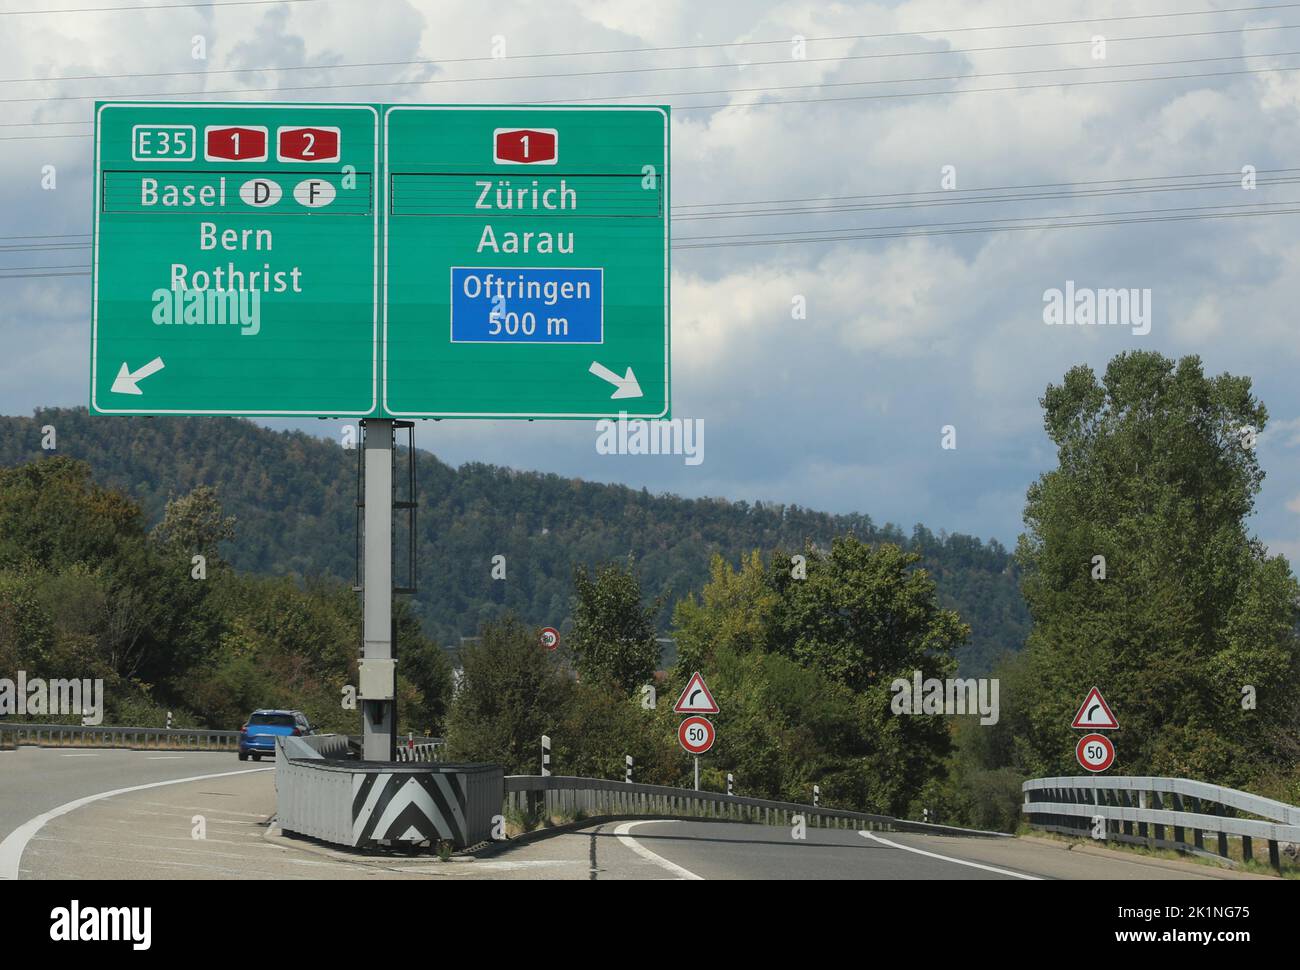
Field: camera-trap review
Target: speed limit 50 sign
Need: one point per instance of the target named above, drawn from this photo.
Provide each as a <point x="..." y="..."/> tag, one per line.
<point x="696" y="734"/>
<point x="1095" y="752"/>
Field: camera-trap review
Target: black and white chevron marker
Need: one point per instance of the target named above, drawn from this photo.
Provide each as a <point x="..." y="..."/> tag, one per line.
<point x="546" y="756"/>
<point x="817" y="795"/>
<point x="628" y="776"/>
<point x="731" y="783"/>
<point x="408" y="807"/>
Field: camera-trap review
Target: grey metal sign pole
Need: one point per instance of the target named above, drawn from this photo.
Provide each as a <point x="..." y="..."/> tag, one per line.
<point x="379" y="677"/>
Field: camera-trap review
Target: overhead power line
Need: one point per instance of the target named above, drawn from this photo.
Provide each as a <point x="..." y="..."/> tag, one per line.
<point x="860" y="97"/>
<point x="152" y="6"/>
<point x="1086" y="188"/>
<point x="631" y="70"/>
<point x="1093" y="220"/>
<point x="988" y="225"/>
<point x="930" y="31"/>
<point x="1080" y="191"/>
<point x="959" y="91"/>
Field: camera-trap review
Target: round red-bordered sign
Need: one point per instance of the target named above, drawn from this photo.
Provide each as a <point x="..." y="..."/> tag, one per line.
<point x="550" y="637"/>
<point x="1095" y="752"/>
<point x="696" y="734"/>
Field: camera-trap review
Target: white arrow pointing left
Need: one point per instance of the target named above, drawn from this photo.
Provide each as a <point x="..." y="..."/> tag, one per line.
<point x="127" y="379"/>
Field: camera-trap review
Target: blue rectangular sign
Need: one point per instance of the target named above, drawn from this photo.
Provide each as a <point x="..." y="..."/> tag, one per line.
<point x="502" y="305"/>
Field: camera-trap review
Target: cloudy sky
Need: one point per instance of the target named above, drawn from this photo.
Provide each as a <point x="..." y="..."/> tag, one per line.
<point x="904" y="334"/>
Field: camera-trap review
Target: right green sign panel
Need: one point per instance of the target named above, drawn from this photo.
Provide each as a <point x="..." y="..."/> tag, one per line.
<point x="526" y="262"/>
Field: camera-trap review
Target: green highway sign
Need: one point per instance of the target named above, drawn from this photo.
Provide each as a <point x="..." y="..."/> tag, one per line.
<point x="236" y="259"/>
<point x="405" y="261"/>
<point x="525" y="262"/>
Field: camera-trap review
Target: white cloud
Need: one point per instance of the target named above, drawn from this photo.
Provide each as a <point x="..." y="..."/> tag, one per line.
<point x="842" y="409"/>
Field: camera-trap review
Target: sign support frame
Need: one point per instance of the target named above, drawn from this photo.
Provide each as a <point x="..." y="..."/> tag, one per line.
<point x="379" y="715"/>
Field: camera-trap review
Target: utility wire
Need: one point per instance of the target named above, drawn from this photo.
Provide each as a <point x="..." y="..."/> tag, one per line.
<point x="1100" y="219"/>
<point x="634" y="70"/>
<point x="153" y="6"/>
<point x="859" y="97"/>
<point x="73" y="98"/>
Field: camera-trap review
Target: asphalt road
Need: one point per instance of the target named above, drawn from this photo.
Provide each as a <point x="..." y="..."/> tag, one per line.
<point x="56" y="823"/>
<point x="709" y="850"/>
<point x="35" y="781"/>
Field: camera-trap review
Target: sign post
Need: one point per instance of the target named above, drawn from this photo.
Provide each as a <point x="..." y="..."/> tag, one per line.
<point x="1095" y="752"/>
<point x="525" y="262"/>
<point x="421" y="261"/>
<point x="696" y="733"/>
<point x="379" y="674"/>
<point x="1094" y="714"/>
<point x="235" y="259"/>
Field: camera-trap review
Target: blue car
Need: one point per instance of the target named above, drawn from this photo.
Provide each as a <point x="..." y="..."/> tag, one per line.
<point x="257" y="737"/>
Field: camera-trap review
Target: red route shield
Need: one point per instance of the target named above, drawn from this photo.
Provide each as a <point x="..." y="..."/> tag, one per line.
<point x="308" y="144"/>
<point x="235" y="143"/>
<point x="525" y="146"/>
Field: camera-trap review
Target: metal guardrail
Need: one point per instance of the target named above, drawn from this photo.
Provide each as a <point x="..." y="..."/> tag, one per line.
<point x="595" y="797"/>
<point x="322" y="794"/>
<point x="1140" y="809"/>
<point x="421" y="750"/>
<point x="99" y="736"/>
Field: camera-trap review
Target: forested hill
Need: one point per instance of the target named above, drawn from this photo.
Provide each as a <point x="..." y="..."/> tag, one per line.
<point x="294" y="494"/>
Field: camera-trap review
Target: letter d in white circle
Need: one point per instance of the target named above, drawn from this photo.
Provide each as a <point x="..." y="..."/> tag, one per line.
<point x="260" y="192"/>
<point x="314" y="193"/>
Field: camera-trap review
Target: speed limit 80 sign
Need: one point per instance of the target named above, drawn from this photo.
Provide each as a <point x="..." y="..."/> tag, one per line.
<point x="696" y="734"/>
<point x="1095" y="752"/>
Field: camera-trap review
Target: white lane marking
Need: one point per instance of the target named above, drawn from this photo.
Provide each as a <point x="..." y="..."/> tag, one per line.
<point x="947" y="858"/>
<point x="165" y="757"/>
<point x="81" y="756"/>
<point x="11" y="849"/>
<point x="622" y="833"/>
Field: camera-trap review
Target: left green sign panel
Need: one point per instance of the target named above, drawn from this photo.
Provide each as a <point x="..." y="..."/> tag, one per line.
<point x="236" y="265"/>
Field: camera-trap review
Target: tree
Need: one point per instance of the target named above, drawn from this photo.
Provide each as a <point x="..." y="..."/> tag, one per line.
<point x="512" y="691"/>
<point x="733" y="612"/>
<point x="864" y="615"/>
<point x="195" y="524"/>
<point x="1141" y="577"/>
<point x="613" y="636"/>
<point x="806" y="661"/>
<point x="52" y="515"/>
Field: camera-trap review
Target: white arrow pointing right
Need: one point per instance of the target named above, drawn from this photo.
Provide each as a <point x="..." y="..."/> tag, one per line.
<point x="126" y="380"/>
<point x="625" y="386"/>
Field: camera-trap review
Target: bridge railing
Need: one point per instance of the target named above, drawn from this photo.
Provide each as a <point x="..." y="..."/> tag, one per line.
<point x="99" y="736"/>
<point x="1160" y="813"/>
<point x="420" y="749"/>
<point x="571" y="797"/>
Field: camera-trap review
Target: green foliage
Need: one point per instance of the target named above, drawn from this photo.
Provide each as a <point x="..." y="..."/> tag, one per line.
<point x="1156" y="475"/>
<point x="806" y="664"/>
<point x="613" y="635"/>
<point x="512" y="691"/>
<point x="864" y="616"/>
<point x="734" y="612"/>
<point x="195" y="524"/>
<point x="293" y="497"/>
<point x="91" y="595"/>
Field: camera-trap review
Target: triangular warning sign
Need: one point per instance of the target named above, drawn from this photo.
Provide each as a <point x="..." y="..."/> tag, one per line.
<point x="1095" y="713"/>
<point x="696" y="698"/>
